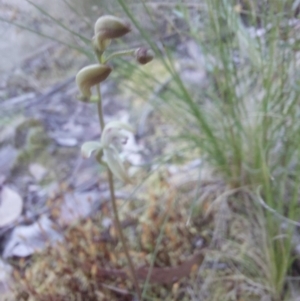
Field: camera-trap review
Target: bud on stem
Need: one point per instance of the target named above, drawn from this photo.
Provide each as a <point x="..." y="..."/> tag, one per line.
<point x="90" y="76"/>
<point x="144" y="55"/>
<point x="109" y="27"/>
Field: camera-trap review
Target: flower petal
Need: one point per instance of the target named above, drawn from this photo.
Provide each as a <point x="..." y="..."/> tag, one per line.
<point x="112" y="131"/>
<point x="89" y="147"/>
<point x="115" y="164"/>
<point x="120" y="125"/>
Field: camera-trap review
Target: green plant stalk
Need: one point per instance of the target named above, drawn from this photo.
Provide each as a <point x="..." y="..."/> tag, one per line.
<point x="121" y="53"/>
<point x="99" y="107"/>
<point x="114" y="205"/>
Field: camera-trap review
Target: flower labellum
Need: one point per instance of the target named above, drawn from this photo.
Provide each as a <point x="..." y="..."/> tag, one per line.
<point x="112" y="132"/>
<point x="111" y="139"/>
<point x="115" y="164"/>
<point x="144" y="55"/>
<point x="109" y="27"/>
<point x="90" y="76"/>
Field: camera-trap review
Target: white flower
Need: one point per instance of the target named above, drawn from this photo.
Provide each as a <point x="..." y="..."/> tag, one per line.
<point x="111" y="141"/>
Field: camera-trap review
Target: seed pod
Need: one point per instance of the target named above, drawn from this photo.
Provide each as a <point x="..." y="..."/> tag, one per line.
<point x="90" y="76"/>
<point x="109" y="27"/>
<point x="144" y="55"/>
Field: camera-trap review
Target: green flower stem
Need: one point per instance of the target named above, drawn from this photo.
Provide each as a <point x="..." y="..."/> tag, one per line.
<point x="99" y="55"/>
<point x="99" y="107"/>
<point x="114" y="205"/>
<point x="129" y="52"/>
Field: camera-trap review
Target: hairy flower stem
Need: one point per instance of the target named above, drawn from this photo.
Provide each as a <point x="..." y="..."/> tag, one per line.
<point x="114" y="205"/>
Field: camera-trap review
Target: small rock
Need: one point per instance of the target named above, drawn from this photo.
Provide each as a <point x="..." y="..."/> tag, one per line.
<point x="26" y="240"/>
<point x="68" y="142"/>
<point x="11" y="205"/>
<point x="37" y="171"/>
<point x="8" y="156"/>
<point x="74" y="130"/>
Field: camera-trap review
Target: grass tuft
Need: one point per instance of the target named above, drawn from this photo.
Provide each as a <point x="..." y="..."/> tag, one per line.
<point x="244" y="116"/>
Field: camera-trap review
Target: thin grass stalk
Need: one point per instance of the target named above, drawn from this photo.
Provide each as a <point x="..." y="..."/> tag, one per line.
<point x="242" y="138"/>
<point x="79" y="49"/>
<point x="72" y="8"/>
<point x="59" y="23"/>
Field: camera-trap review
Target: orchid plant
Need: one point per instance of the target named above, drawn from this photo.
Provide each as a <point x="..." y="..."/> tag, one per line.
<point x="113" y="135"/>
<point x="111" y="141"/>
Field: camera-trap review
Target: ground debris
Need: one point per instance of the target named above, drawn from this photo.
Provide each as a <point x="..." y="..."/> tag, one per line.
<point x="90" y="261"/>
